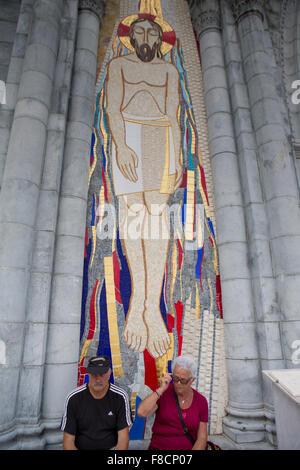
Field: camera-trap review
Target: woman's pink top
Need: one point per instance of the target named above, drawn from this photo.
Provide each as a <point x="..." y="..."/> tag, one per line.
<point x="167" y="430"/>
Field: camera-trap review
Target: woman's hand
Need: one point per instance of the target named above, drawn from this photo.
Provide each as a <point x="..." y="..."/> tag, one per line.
<point x="149" y="405"/>
<point x="164" y="384"/>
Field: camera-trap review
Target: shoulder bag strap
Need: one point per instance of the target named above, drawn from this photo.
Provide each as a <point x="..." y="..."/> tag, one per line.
<point x="182" y="421"/>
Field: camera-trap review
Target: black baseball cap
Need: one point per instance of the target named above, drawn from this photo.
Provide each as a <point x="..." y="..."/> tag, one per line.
<point x="98" y="365"/>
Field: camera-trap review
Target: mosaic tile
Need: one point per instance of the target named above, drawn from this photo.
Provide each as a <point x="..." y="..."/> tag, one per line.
<point x="149" y="300"/>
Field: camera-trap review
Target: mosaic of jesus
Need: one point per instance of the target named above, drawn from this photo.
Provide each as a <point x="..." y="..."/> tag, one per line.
<point x="150" y="250"/>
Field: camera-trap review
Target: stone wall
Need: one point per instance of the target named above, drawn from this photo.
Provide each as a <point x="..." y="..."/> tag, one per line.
<point x="9" y="14"/>
<point x="243" y="61"/>
<point x="52" y="56"/>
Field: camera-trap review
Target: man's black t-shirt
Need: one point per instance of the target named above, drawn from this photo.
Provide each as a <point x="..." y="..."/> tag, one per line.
<point x="95" y="423"/>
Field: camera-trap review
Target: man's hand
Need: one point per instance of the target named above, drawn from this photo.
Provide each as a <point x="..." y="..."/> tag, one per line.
<point x="123" y="439"/>
<point x="69" y="441"/>
<point x="127" y="161"/>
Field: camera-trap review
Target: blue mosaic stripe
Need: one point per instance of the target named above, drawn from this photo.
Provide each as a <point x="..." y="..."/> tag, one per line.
<point x="125" y="278"/>
<point x="200" y="253"/>
<point x="137" y="430"/>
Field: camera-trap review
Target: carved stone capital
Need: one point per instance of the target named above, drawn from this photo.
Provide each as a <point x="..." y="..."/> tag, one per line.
<point x="205" y="16"/>
<point x="96" y="6"/>
<point x="241" y="8"/>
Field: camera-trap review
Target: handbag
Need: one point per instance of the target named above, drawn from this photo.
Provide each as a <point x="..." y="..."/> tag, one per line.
<point x="209" y="445"/>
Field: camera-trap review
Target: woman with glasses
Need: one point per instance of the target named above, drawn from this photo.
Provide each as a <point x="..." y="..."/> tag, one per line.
<point x="181" y="413"/>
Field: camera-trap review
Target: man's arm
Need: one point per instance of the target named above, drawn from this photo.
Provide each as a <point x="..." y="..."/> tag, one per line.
<point x="172" y="106"/>
<point x="126" y="157"/>
<point x="201" y="441"/>
<point x="123" y="439"/>
<point x="69" y="442"/>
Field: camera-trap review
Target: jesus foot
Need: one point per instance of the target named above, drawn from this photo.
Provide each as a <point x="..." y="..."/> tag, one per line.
<point x="158" y="338"/>
<point x="135" y="331"/>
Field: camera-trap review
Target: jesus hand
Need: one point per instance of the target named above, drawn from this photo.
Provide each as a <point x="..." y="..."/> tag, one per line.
<point x="179" y="174"/>
<point x="127" y="161"/>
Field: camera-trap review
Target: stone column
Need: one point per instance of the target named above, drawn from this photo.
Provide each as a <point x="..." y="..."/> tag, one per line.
<point x="244" y="422"/>
<point x="260" y="261"/>
<point x="13" y="78"/>
<point x="276" y="168"/>
<point x="65" y="306"/>
<point x="20" y="192"/>
<point x="38" y="300"/>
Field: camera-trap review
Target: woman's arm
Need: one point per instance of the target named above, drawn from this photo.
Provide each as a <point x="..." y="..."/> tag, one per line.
<point x="201" y="441"/>
<point x="149" y="405"/>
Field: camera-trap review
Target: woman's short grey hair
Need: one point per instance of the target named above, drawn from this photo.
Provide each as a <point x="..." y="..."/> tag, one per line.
<point x="187" y="363"/>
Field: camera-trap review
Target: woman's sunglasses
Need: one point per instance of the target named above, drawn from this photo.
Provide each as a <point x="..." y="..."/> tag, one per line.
<point x="182" y="381"/>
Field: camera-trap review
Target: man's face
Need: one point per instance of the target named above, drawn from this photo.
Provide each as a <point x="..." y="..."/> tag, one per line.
<point x="98" y="382"/>
<point x="146" y="39"/>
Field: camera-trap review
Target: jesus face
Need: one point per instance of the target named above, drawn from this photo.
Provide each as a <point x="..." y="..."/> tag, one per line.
<point x="145" y="39"/>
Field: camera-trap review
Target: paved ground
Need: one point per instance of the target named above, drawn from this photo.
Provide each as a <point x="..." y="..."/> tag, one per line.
<point x="223" y="441"/>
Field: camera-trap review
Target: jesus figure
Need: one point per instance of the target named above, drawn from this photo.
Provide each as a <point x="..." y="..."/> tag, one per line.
<point x="142" y="109"/>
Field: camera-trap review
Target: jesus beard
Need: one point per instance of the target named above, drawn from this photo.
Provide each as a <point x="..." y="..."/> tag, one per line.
<point x="145" y="53"/>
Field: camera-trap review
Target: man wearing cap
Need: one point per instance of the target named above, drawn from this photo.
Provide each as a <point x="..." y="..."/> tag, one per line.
<point x="97" y="414"/>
